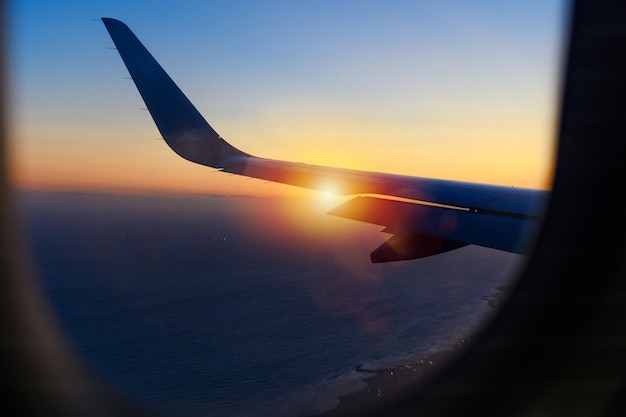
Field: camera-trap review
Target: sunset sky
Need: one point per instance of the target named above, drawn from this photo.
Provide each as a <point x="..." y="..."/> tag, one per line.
<point x="447" y="89"/>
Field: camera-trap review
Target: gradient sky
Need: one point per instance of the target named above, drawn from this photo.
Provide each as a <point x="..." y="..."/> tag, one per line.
<point x="447" y="89"/>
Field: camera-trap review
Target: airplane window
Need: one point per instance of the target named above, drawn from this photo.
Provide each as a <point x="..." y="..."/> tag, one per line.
<point x="236" y="274"/>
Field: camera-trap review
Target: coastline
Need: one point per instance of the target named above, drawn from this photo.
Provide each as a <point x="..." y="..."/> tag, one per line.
<point x="389" y="383"/>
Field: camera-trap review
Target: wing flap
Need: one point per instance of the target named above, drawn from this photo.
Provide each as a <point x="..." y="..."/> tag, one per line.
<point x="412" y="246"/>
<point x="458" y="225"/>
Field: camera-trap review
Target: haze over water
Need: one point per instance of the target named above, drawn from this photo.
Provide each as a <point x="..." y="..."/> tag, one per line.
<point x="222" y="305"/>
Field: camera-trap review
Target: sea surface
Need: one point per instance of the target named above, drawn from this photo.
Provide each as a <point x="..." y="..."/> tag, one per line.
<point x="244" y="306"/>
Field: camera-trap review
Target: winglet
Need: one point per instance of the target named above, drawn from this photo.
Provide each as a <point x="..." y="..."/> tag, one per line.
<point x="182" y="126"/>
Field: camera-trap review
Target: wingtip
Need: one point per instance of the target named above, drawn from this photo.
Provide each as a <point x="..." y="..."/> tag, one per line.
<point x="108" y="20"/>
<point x="182" y="126"/>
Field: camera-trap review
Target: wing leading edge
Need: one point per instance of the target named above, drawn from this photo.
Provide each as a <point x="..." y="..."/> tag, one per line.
<point x="440" y="215"/>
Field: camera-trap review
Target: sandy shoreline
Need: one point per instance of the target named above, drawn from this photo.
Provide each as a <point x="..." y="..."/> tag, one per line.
<point x="387" y="384"/>
<point x="390" y="383"/>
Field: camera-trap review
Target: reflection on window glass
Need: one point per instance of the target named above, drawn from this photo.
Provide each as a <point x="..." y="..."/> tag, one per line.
<point x="203" y="293"/>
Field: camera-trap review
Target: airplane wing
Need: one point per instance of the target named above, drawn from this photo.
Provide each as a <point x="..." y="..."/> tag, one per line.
<point x="432" y="215"/>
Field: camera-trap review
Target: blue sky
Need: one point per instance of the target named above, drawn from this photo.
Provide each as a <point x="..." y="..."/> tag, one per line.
<point x="460" y="90"/>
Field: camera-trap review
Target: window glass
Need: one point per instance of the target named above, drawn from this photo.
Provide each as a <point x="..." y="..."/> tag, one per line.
<point x="202" y="293"/>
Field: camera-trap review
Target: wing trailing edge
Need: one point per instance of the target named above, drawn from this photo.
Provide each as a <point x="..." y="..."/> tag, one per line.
<point x="493" y="216"/>
<point x="422" y="230"/>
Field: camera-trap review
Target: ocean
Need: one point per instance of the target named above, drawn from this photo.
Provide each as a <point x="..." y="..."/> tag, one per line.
<point x="244" y="306"/>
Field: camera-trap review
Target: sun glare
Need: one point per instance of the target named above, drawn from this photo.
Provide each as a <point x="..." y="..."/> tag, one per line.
<point x="329" y="195"/>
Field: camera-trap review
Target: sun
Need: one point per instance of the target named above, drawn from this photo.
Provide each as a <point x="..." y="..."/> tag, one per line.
<point x="329" y="194"/>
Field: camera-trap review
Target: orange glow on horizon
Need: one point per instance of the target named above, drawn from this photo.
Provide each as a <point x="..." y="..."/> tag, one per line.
<point x="475" y="104"/>
<point x="136" y="165"/>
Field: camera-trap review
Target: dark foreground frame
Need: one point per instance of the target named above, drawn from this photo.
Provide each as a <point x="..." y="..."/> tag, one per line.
<point x="557" y="348"/>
